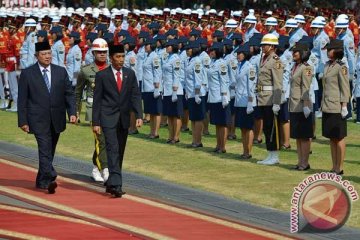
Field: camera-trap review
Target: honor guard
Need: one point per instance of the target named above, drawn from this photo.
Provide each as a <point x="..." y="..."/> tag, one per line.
<point x="58" y="49"/>
<point x="27" y="51"/>
<point x="249" y="22"/>
<point x="86" y="79"/>
<point x="73" y="58"/>
<point x="269" y="88"/>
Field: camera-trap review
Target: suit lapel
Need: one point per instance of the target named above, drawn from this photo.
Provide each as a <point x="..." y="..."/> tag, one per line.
<point x="112" y="78"/>
<point x="53" y="79"/>
<point x="125" y="77"/>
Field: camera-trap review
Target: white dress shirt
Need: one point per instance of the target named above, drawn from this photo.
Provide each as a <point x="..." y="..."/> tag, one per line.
<point x="115" y="72"/>
<point x="48" y="72"/>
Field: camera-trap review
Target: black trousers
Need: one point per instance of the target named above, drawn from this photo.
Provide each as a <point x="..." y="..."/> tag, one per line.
<point x="46" y="148"/>
<point x="115" y="139"/>
<point x="270" y="128"/>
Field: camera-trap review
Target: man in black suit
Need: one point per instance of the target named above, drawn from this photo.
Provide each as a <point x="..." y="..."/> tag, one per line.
<point x="116" y="94"/>
<point x="45" y="94"/>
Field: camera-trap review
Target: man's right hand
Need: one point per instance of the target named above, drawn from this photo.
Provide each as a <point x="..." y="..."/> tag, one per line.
<point x="97" y="129"/>
<point x="25" y="128"/>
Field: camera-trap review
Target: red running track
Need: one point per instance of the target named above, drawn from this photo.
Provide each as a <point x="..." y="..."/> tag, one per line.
<point x="129" y="215"/>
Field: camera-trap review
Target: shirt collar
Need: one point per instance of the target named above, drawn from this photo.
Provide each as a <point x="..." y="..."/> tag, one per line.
<point x="42" y="68"/>
<point x="115" y="71"/>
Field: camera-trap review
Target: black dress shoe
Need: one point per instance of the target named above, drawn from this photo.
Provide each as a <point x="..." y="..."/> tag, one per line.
<point x="109" y="189"/>
<point x="51" y="188"/>
<point x="117" y="192"/>
<point x="296" y="167"/>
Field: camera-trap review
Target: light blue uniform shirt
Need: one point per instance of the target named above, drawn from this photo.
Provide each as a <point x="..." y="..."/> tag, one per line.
<point x="349" y="52"/>
<point x="245" y="84"/>
<point x="140" y="57"/>
<point x="151" y="72"/>
<point x="193" y="78"/>
<point x="183" y="59"/>
<point x="58" y="53"/>
<point x="232" y="65"/>
<point x="73" y="63"/>
<point x="314" y="63"/>
<point x="320" y="51"/>
<point x="27" y="51"/>
<point x="205" y="60"/>
<point x="218" y="81"/>
<point x="287" y="60"/>
<point x="130" y="60"/>
<point x="171" y="73"/>
<point x="249" y="33"/>
<point x="89" y="57"/>
<point x="296" y="36"/>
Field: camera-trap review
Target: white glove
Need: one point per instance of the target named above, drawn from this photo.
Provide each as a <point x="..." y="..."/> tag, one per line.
<point x="174" y="97"/>
<point x="224" y="101"/>
<point x="283" y="99"/>
<point x="344" y="112"/>
<point x="321" y="75"/>
<point x="306" y="111"/>
<point x="249" y="108"/>
<point x="276" y="109"/>
<point x="197" y="99"/>
<point x="156" y="93"/>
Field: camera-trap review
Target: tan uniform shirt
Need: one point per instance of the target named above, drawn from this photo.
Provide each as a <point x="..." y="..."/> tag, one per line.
<point x="270" y="75"/>
<point x="336" y="87"/>
<point x="300" y="81"/>
<point x="86" y="78"/>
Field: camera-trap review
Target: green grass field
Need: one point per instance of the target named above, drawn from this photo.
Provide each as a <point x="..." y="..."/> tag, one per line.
<point x="225" y="174"/>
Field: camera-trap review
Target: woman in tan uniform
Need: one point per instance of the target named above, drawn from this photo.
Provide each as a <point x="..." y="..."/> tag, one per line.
<point x="336" y="95"/>
<point x="300" y="105"/>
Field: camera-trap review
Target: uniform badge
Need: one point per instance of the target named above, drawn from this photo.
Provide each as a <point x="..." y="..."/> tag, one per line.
<point x="223" y="69"/>
<point x="206" y="62"/>
<point x="233" y="65"/>
<point x="78" y="57"/>
<point x="177" y="65"/>
<point x="156" y="63"/>
<point x="252" y="74"/>
<point x="197" y="67"/>
<point x="308" y="72"/>
<point x="344" y="70"/>
<point x="132" y="61"/>
<point x="278" y="65"/>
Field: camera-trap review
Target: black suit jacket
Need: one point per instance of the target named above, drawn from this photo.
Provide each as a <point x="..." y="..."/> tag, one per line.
<point x="110" y="106"/>
<point x="37" y="107"/>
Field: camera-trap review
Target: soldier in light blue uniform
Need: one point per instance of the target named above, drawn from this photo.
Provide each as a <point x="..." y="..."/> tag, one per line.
<point x="89" y="56"/>
<point x="183" y="59"/>
<point x="27" y="51"/>
<point x="219" y="95"/>
<point x="193" y="86"/>
<point x="73" y="58"/>
<point x="245" y="99"/>
<point x="285" y="54"/>
<point x="341" y="27"/>
<point x="206" y="61"/>
<point x="255" y="52"/>
<point x="140" y="56"/>
<point x="151" y="87"/>
<point x="231" y="63"/>
<point x="250" y="22"/>
<point x="271" y="24"/>
<point x="173" y="91"/>
<point x="321" y="39"/>
<point x="130" y="62"/>
<point x="295" y="33"/>
<point x="58" y="49"/>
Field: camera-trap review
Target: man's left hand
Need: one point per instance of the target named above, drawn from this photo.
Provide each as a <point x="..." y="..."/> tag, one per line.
<point x="139" y="122"/>
<point x="73" y="119"/>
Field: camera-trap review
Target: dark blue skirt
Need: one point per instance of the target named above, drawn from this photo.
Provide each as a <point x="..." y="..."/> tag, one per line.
<point x="284" y="115"/>
<point x="173" y="109"/>
<point x="218" y="115"/>
<point x="152" y="105"/>
<point x="197" y="111"/>
<point x="140" y="86"/>
<point x="257" y="113"/>
<point x="206" y="100"/>
<point x="244" y="120"/>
